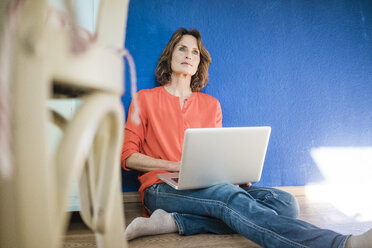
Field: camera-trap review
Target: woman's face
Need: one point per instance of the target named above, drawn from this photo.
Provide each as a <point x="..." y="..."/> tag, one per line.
<point x="186" y="56"/>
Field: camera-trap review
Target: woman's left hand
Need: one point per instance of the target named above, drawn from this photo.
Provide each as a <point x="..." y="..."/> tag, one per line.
<point x="244" y="185"/>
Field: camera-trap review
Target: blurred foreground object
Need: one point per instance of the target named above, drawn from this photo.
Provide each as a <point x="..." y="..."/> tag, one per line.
<point x="43" y="59"/>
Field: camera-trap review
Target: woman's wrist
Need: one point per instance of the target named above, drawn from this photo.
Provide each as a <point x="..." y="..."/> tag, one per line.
<point x="146" y="163"/>
<point x="173" y="166"/>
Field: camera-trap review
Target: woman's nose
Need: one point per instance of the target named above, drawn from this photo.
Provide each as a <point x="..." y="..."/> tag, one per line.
<point x="188" y="55"/>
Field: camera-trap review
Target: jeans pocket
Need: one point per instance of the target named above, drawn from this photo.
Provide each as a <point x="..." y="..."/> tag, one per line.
<point x="150" y="197"/>
<point x="154" y="187"/>
<point x="262" y="194"/>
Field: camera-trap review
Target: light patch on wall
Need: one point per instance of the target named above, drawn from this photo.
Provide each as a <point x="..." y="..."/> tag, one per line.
<point x="348" y="180"/>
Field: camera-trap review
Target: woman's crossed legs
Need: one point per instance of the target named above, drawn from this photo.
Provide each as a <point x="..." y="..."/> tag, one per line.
<point x="266" y="216"/>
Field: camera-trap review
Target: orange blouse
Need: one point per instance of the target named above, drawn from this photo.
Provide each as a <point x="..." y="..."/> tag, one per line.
<point x="162" y="126"/>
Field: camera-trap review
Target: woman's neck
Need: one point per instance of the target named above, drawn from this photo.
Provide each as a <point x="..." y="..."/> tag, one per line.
<point x="179" y="86"/>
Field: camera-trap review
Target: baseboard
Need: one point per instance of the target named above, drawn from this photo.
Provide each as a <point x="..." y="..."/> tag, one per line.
<point x="133" y="197"/>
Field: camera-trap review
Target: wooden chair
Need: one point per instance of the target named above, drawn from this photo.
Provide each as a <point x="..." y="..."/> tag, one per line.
<point x="34" y="197"/>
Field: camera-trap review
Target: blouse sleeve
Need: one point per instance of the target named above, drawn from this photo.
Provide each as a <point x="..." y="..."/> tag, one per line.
<point x="219" y="115"/>
<point x="134" y="134"/>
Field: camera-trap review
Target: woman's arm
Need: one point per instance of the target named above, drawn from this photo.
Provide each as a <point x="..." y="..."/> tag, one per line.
<point x="144" y="163"/>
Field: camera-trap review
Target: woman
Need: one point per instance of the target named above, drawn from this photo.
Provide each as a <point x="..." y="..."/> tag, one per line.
<point x="266" y="216"/>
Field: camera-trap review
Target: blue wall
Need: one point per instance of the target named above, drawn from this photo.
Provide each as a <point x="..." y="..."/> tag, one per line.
<point x="302" y="67"/>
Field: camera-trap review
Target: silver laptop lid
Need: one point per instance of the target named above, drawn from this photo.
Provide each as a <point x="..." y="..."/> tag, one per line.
<point x="222" y="155"/>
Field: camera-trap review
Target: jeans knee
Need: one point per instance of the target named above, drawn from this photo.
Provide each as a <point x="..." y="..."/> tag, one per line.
<point x="293" y="209"/>
<point x="284" y="204"/>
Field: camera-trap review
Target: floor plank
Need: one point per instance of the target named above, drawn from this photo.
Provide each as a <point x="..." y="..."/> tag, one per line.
<point x="195" y="241"/>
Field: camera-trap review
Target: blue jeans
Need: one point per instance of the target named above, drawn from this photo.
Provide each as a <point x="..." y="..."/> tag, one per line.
<point x="266" y="216"/>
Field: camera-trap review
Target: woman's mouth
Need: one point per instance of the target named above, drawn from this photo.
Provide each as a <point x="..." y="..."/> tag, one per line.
<point x="185" y="63"/>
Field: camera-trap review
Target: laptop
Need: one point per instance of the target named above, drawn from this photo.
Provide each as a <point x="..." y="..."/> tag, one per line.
<point x="214" y="156"/>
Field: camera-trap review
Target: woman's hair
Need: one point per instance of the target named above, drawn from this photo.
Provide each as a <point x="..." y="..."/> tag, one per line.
<point x="163" y="70"/>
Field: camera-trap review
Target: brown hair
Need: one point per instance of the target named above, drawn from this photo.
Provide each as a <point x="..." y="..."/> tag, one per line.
<point x="163" y="70"/>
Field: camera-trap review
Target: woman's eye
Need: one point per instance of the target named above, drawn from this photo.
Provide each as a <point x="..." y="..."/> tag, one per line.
<point x="195" y="52"/>
<point x="181" y="49"/>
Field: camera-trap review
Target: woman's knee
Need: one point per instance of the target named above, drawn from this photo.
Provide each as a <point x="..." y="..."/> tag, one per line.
<point x="282" y="202"/>
<point x="290" y="202"/>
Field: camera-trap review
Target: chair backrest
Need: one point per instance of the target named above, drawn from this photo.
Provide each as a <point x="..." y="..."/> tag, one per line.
<point x="109" y="30"/>
<point x="29" y="211"/>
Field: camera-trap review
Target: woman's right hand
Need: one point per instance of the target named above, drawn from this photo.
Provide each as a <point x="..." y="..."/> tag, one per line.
<point x="175" y="166"/>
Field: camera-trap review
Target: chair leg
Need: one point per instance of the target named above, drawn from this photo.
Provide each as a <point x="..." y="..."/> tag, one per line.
<point x="99" y="135"/>
<point x="32" y="186"/>
<point x="114" y="234"/>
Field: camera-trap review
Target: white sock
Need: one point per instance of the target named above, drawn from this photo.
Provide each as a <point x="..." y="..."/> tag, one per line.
<point x="159" y="222"/>
<point x="360" y="241"/>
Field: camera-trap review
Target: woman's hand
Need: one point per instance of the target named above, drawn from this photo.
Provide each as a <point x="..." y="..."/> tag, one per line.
<point x="174" y="166"/>
<point x="244" y="185"/>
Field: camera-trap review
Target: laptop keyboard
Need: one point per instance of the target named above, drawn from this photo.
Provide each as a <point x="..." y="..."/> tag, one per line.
<point x="175" y="179"/>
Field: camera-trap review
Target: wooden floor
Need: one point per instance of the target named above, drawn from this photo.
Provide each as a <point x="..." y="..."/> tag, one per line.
<point x="318" y="212"/>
